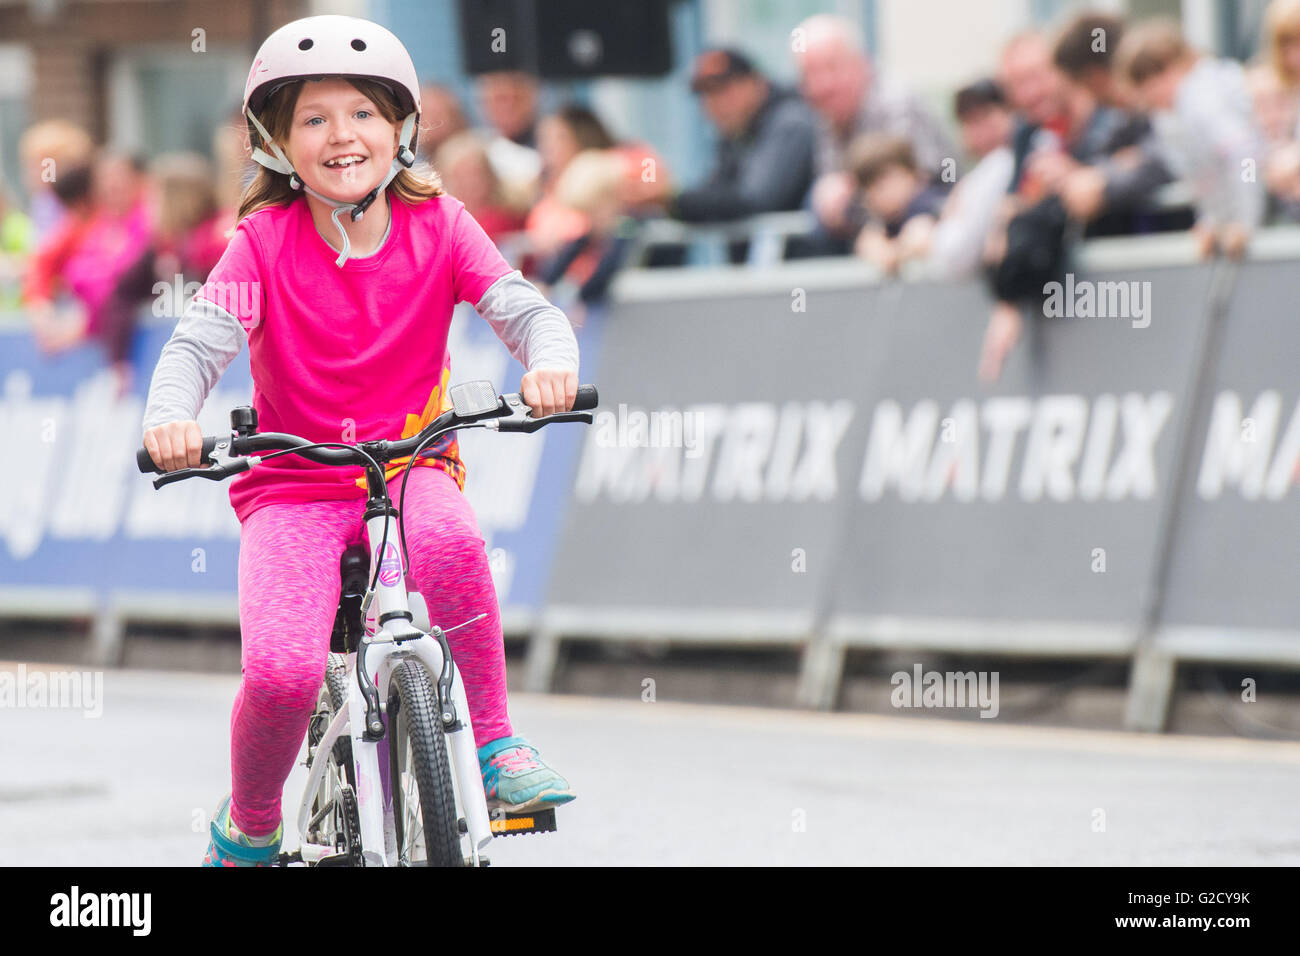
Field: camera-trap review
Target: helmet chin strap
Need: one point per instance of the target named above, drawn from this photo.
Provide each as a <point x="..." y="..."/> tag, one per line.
<point x="405" y="159"/>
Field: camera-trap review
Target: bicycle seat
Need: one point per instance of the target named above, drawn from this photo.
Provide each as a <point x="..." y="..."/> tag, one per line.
<point x="354" y="568"/>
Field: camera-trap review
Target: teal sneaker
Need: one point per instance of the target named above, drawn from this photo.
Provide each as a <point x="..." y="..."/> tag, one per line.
<point x="516" y="779"/>
<point x="229" y="847"/>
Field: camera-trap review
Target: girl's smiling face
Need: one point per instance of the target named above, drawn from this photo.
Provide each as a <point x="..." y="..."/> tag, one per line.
<point x="339" y="142"/>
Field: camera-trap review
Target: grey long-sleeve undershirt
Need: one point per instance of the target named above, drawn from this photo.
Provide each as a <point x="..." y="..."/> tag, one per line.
<point x="207" y="338"/>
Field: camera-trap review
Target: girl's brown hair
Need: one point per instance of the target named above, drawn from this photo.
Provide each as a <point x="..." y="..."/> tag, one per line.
<point x="269" y="188"/>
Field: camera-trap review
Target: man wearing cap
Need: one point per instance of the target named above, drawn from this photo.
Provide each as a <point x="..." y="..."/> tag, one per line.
<point x="765" y="152"/>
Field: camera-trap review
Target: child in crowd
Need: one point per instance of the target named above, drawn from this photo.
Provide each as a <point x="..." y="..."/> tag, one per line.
<point x="1275" y="90"/>
<point x="103" y="231"/>
<point x="971" y="210"/>
<point x="188" y="237"/>
<point x="901" y="203"/>
<point x="1276" y="121"/>
<point x="462" y="162"/>
<point x="49" y="151"/>
<point x="594" y="186"/>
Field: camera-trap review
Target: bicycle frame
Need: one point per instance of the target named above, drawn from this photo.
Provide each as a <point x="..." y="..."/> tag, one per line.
<point x="386" y="646"/>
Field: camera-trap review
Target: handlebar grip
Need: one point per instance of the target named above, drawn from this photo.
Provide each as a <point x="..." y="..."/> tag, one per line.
<point x="586" y="398"/>
<point x="144" y="461"/>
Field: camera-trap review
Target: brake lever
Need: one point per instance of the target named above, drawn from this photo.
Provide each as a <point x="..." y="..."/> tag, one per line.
<point x="222" y="467"/>
<point x="567" y="417"/>
<point x="526" y="424"/>
<point x="180" y="474"/>
<point x="214" y="473"/>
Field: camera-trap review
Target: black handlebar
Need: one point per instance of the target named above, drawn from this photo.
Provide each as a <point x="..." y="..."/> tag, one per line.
<point x="510" y="415"/>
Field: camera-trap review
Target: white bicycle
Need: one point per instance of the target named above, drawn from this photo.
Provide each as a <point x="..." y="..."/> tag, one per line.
<point x="394" y="777"/>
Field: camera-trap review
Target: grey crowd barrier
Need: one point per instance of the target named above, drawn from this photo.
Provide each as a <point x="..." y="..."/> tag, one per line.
<point x="1234" y="549"/>
<point x="1020" y="518"/>
<point x="1237" y="547"/>
<point x="806" y="457"/>
<point x="705" y="498"/>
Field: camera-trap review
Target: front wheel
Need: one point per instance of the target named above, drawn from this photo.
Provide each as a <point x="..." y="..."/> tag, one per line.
<point x="424" y="803"/>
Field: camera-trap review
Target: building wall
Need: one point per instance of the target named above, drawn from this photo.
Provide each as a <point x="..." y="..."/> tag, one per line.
<point x="72" y="50"/>
<point x="937" y="61"/>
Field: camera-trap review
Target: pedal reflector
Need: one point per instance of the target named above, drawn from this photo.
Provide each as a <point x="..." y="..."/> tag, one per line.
<point x="513" y="824"/>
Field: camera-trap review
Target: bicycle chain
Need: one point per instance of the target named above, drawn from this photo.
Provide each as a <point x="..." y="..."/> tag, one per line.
<point x="351" y="824"/>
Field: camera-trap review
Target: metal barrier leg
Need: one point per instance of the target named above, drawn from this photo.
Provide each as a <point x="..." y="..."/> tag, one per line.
<point x="1151" y="681"/>
<point x="1150" y="690"/>
<point x="820" y="674"/>
<point x="107" y="638"/>
<point x="539" y="663"/>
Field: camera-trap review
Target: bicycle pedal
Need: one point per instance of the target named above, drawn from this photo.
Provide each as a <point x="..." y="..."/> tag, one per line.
<point x="517" y="824"/>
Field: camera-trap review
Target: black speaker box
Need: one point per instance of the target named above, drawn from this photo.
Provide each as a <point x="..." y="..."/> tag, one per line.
<point x="567" y="39"/>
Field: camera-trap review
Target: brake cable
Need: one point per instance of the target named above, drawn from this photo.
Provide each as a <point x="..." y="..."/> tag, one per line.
<point x="401" y="499"/>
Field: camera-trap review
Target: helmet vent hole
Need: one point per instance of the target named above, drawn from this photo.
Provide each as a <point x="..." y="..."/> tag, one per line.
<point x="358" y="45"/>
<point x="306" y="44"/>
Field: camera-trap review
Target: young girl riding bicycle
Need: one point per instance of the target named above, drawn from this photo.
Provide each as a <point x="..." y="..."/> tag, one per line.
<point x="341" y="276"/>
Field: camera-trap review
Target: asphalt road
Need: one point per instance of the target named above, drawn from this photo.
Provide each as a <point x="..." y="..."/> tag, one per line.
<point x="663" y="783"/>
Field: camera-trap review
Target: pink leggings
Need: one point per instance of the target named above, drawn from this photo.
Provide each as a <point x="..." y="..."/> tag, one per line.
<point x="288" y="593"/>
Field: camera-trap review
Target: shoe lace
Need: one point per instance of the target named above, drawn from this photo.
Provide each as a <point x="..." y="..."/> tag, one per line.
<point x="515" y="760"/>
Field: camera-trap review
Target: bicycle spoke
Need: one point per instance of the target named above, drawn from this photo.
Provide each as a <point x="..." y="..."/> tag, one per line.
<point x="412" y="814"/>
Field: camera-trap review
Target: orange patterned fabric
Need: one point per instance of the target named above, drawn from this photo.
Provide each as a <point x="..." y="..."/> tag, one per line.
<point x="446" y="450"/>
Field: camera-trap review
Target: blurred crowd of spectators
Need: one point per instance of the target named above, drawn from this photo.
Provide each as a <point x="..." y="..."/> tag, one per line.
<point x="1075" y="135"/>
<point x="101" y="230"/>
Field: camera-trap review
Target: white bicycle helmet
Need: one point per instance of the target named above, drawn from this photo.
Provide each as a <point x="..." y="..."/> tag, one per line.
<point x="333" y="46"/>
